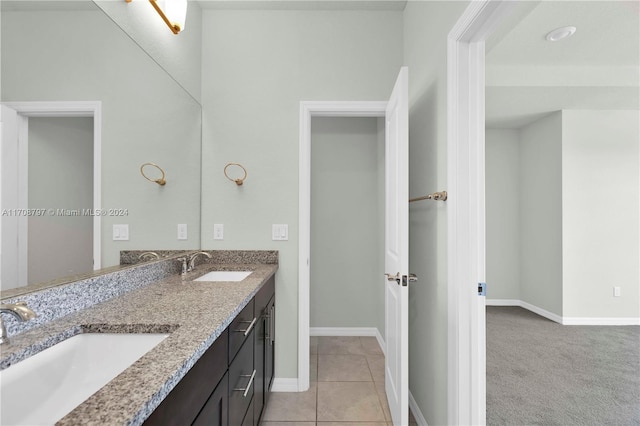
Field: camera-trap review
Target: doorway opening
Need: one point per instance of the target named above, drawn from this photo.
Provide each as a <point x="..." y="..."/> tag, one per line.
<point x="347" y="227"/>
<point x="307" y="111"/>
<point x="50" y="139"/>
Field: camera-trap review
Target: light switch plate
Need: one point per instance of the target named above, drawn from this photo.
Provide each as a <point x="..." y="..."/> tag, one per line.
<point x="120" y="232"/>
<point x="218" y="231"/>
<point x="182" y="231"/>
<point x="279" y="232"/>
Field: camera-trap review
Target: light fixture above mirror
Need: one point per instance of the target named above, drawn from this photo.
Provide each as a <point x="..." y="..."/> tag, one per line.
<point x="172" y="12"/>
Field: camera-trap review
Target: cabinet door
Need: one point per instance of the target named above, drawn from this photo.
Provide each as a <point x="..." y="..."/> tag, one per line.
<point x="270" y="347"/>
<point x="249" y="419"/>
<point x="258" y="362"/>
<point x="185" y="401"/>
<point x="215" y="412"/>
<point x="241" y="380"/>
<point x="262" y="300"/>
<point x="270" y="356"/>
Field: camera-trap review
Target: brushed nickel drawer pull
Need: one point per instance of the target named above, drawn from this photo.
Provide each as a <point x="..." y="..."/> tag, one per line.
<point x="272" y="325"/>
<point x="267" y="325"/>
<point x="246" y="390"/>
<point x="248" y="329"/>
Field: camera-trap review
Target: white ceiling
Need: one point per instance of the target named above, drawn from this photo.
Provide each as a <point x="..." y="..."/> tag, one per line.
<point x="303" y="4"/>
<point x="25" y="5"/>
<point x="598" y="68"/>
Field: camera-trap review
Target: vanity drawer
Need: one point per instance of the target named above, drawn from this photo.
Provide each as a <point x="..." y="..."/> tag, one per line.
<point x="241" y="382"/>
<point x="241" y="328"/>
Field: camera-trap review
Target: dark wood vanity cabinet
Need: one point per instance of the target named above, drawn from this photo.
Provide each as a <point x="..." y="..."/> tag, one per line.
<point x="229" y="385"/>
<point x="183" y="404"/>
<point x="241" y="382"/>
<point x="216" y="410"/>
<point x="264" y="347"/>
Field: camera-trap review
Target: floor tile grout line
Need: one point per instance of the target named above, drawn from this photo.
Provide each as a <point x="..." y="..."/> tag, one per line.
<point x="366" y="355"/>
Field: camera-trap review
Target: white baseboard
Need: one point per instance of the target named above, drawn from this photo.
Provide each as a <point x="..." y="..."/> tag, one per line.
<point x="600" y="321"/>
<point x="284" y="385"/>
<point x="417" y="414"/>
<point x="381" y="342"/>
<point x="350" y="331"/>
<point x="503" y="302"/>
<point x="560" y="319"/>
<point x="542" y="312"/>
<point x="528" y="306"/>
<point x="343" y="331"/>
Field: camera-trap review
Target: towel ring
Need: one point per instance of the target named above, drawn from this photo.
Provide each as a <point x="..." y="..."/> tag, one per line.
<point x="162" y="181"/>
<point x="239" y="181"/>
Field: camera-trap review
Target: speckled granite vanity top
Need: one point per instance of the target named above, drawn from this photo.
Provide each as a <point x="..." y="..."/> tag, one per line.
<point x="195" y="313"/>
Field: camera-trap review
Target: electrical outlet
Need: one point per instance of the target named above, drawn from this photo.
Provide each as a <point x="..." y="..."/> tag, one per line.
<point x="616" y="291"/>
<point x="182" y="231"/>
<point x="218" y="231"/>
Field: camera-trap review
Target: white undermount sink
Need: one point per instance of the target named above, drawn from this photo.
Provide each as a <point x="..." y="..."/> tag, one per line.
<point x="224" y="276"/>
<point x="45" y="387"/>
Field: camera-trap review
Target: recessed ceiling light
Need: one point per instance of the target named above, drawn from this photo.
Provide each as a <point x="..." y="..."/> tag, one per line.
<point x="560" y="33"/>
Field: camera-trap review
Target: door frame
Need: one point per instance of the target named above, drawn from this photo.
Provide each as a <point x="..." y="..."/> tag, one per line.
<point x="309" y="109"/>
<point x="465" y="206"/>
<point x="92" y="109"/>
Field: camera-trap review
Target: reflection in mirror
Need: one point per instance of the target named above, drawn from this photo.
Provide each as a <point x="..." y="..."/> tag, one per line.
<point x="57" y="51"/>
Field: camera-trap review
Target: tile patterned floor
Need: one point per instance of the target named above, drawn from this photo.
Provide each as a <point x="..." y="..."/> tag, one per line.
<point x="347" y="387"/>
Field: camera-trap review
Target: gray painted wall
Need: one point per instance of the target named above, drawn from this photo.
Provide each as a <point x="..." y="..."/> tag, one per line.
<point x="180" y="56"/>
<point x="346" y="274"/>
<point x="147" y="117"/>
<point x="257" y="67"/>
<point x="426" y="25"/>
<point x="574" y="245"/>
<point x="541" y="213"/>
<point x="60" y="177"/>
<point x="600" y="207"/>
<point x="502" y="157"/>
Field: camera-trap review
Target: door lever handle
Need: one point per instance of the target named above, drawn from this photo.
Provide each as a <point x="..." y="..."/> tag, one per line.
<point x="395" y="277"/>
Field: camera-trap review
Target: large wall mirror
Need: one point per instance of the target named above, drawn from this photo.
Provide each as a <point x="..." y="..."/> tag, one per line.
<point x="72" y="51"/>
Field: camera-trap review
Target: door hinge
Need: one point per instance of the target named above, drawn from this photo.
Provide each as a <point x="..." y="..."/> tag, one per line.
<point x="482" y="289"/>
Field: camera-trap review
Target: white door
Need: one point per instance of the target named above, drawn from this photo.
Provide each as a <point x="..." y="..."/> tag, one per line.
<point x="397" y="250"/>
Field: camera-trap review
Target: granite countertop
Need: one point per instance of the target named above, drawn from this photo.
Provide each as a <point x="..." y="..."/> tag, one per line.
<point x="195" y="313"/>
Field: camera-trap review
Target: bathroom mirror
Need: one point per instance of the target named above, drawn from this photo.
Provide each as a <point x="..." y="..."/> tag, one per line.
<point x="72" y="51"/>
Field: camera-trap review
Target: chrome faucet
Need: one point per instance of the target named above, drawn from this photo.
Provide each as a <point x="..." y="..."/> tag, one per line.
<point x="18" y="310"/>
<point x="183" y="260"/>
<point x="193" y="257"/>
<point x="149" y="255"/>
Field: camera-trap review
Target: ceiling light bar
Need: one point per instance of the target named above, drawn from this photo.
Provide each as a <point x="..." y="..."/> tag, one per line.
<point x="172" y="12"/>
